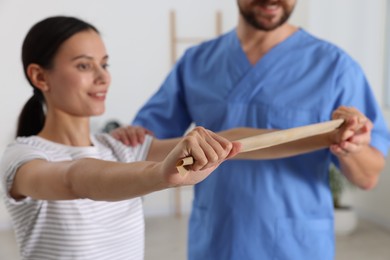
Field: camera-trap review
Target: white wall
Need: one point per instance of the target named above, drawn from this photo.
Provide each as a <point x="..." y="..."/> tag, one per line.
<point x="137" y="38"/>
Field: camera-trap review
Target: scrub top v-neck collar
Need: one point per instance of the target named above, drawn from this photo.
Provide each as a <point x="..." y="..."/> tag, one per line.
<point x="240" y="60"/>
<point x="245" y="75"/>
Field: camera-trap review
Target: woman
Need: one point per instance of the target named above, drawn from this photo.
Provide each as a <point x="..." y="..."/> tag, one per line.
<point x="76" y="196"/>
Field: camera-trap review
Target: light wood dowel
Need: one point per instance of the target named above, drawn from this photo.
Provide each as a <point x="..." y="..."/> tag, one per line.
<point x="274" y="138"/>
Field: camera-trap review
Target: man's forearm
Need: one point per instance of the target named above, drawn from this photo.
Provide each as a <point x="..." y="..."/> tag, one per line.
<point x="363" y="168"/>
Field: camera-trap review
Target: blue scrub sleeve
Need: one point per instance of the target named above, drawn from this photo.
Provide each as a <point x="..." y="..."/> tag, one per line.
<point x="166" y="113"/>
<point x="354" y="90"/>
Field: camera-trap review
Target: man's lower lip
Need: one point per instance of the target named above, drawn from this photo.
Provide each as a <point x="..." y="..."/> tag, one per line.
<point x="269" y="11"/>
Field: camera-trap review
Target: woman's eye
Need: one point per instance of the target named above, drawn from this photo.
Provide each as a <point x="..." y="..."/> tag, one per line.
<point x="105" y="66"/>
<point x="83" y="66"/>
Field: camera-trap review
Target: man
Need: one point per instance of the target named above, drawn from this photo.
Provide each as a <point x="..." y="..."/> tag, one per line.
<point x="267" y="73"/>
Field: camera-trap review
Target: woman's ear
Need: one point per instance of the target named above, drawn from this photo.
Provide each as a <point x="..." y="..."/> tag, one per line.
<point x="36" y="75"/>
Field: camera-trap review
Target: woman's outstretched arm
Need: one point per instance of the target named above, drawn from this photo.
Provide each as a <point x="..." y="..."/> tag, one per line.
<point x="110" y="181"/>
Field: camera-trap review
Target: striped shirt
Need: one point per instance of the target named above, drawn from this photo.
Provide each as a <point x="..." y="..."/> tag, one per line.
<point x="74" y="229"/>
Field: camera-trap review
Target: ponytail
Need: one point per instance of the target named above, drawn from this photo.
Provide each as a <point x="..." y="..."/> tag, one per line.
<point x="32" y="117"/>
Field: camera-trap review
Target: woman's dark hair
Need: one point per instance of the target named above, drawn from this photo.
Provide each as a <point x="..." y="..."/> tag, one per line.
<point x="40" y="47"/>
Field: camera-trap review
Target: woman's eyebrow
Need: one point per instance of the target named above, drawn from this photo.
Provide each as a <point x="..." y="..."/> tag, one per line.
<point x="83" y="56"/>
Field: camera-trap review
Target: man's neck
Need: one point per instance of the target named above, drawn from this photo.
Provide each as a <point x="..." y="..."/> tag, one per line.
<point x="256" y="43"/>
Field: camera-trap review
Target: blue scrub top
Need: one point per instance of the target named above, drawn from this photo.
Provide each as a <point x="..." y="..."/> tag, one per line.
<point x="270" y="209"/>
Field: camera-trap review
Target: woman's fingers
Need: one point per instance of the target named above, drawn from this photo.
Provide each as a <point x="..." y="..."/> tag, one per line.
<point x="211" y="149"/>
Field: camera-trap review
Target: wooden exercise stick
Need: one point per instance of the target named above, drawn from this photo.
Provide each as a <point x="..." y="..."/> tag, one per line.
<point x="273" y="138"/>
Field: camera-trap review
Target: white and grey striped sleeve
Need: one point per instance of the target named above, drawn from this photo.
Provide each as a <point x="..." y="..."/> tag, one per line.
<point x="15" y="155"/>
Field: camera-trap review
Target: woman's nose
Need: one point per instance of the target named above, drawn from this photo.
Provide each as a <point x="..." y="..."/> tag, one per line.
<point x="102" y="76"/>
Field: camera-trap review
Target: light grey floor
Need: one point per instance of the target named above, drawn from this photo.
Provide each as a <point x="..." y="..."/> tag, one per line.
<point x="166" y="239"/>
